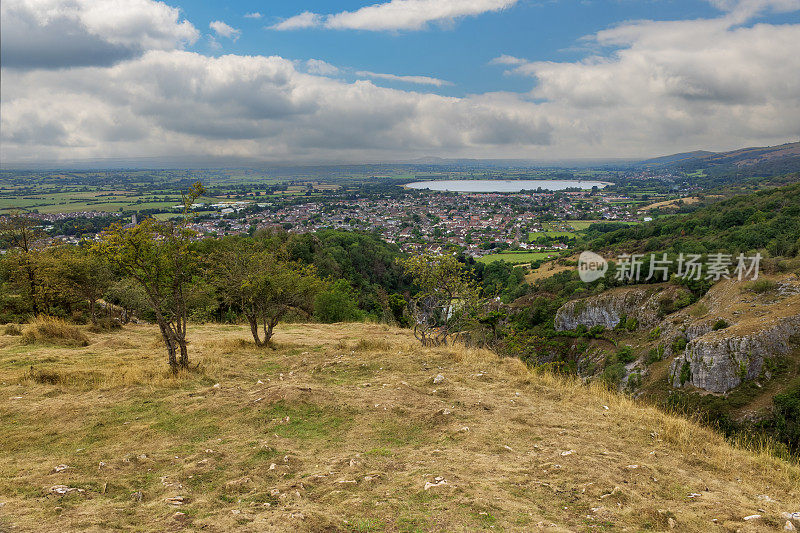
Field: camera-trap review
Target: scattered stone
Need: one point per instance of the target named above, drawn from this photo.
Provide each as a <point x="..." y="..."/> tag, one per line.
<point x="179" y="516"/>
<point x="216" y="385"/>
<point x="137" y="496"/>
<point x="751" y="517"/>
<point x="789" y="526"/>
<point x="568" y="452"/>
<point x="438" y="379"/>
<point x="259" y="382"/>
<point x="632" y="467"/>
<point x="101" y="465"/>
<point x="60" y="468"/>
<point x="507" y="447"/>
<point x="438" y="482"/>
<point x="791" y="516"/>
<point x="694" y="495"/>
<point x="463" y="430"/>
<point x="63" y="489"/>
<point x="175" y="500"/>
<point x="273" y="466"/>
<point x="671" y="523"/>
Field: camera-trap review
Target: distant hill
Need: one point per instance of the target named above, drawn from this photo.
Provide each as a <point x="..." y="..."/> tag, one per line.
<point x="765" y="161"/>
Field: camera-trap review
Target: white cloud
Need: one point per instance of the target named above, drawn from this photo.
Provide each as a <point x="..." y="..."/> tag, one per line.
<point x="663" y="87"/>
<point x="318" y="66"/>
<point x="742" y="10"/>
<point x="507" y="60"/>
<point x="253" y="15"/>
<point x="56" y="33"/>
<point x="396" y="15"/>
<point x="419" y="80"/>
<point x="186" y="104"/>
<point x="224" y="30"/>
<point x="298" y="22"/>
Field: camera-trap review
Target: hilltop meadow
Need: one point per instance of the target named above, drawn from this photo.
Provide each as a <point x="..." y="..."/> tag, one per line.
<point x="351" y="427"/>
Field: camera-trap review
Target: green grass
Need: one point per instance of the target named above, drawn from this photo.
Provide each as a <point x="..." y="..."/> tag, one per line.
<point x="516" y="257"/>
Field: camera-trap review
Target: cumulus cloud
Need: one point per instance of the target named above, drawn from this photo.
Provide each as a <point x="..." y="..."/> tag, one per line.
<point x="396" y="15"/>
<point x="659" y="87"/>
<point x="57" y="34"/>
<point x="224" y="30"/>
<point x="318" y="66"/>
<point x="298" y="22"/>
<point x="184" y="103"/>
<point x="419" y="80"/>
<point x="253" y="15"/>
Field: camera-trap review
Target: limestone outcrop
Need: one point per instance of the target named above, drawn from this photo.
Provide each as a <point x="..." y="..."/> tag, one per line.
<point x="641" y="303"/>
<point x="720" y="360"/>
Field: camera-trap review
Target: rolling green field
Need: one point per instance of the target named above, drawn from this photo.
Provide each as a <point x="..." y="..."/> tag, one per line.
<point x="516" y="257"/>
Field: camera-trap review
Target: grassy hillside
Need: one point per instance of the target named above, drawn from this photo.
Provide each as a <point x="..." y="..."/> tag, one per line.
<point x="349" y="428"/>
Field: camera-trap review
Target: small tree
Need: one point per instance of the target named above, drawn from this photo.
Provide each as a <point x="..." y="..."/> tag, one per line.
<point x="19" y="233"/>
<point x="158" y="256"/>
<point x="448" y="299"/>
<point x="83" y="275"/>
<point x="263" y="286"/>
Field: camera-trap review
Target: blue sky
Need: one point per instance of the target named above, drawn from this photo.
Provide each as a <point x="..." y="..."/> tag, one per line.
<point x="458" y="51"/>
<point x="392" y="80"/>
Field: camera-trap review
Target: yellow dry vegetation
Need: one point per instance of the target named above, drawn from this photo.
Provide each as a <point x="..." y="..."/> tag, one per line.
<point x="352" y="427"/>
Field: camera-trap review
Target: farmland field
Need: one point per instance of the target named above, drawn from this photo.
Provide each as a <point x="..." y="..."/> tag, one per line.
<point x="516" y="257"/>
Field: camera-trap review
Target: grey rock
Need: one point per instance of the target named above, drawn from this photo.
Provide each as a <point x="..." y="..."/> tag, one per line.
<point x="608" y="308"/>
<point x="721" y="360"/>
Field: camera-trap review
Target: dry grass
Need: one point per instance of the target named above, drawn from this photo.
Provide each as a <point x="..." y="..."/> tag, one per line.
<point x="339" y="428"/>
<point x="12" y="330"/>
<point x="51" y="330"/>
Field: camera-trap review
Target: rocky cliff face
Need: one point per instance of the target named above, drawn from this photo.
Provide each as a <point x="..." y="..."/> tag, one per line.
<point x="755" y="327"/>
<point x="720" y="360"/>
<point x="607" y="309"/>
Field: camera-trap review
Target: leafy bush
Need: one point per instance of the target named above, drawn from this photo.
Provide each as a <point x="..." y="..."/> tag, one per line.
<point x="720" y="324"/>
<point x="679" y="344"/>
<point x="686" y="373"/>
<point x="625" y="355"/>
<point x="337" y="304"/>
<point x="761" y="286"/>
<point x="50" y="330"/>
<point x="596" y="331"/>
<point x="656" y="354"/>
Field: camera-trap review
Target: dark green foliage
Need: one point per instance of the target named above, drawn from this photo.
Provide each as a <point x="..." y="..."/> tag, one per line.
<point x="686" y="373"/>
<point x="337" y="304"/>
<point x="766" y="219"/>
<point x="679" y="344"/>
<point x="720" y="324"/>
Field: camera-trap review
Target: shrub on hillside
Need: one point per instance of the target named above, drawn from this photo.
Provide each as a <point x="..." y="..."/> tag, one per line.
<point x="720" y="324"/>
<point x="761" y="286"/>
<point x="12" y="329"/>
<point x="337" y="304"/>
<point x="46" y="329"/>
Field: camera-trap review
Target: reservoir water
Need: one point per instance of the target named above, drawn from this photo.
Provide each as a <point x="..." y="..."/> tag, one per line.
<point x="504" y="185"/>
